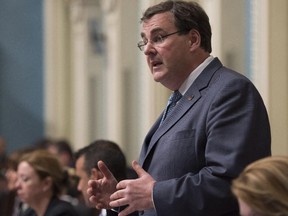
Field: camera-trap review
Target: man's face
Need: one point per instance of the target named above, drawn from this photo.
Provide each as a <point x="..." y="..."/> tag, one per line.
<point x="83" y="179"/>
<point x="170" y="60"/>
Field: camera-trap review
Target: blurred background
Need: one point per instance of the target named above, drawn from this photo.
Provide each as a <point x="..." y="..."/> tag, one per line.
<point x="70" y="69"/>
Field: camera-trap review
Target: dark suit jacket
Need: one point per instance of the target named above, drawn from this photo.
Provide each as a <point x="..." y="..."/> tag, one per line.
<point x="56" y="207"/>
<point x="218" y="127"/>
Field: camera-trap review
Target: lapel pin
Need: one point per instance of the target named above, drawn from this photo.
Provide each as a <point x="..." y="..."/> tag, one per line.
<point x="190" y="97"/>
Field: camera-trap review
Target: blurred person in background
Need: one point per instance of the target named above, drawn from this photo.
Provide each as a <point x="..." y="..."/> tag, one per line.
<point x="10" y="203"/>
<point x="39" y="184"/>
<point x="64" y="151"/>
<point x="86" y="168"/>
<point x="3" y="183"/>
<point x="60" y="147"/>
<point x="3" y="194"/>
<point x="262" y="187"/>
<point x="3" y="166"/>
<point x="3" y="155"/>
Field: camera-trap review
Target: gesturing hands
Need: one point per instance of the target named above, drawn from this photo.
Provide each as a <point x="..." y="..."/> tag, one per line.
<point x="135" y="193"/>
<point x="101" y="189"/>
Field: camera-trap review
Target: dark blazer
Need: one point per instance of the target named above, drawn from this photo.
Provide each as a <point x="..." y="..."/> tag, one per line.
<point x="56" y="207"/>
<point x="218" y="127"/>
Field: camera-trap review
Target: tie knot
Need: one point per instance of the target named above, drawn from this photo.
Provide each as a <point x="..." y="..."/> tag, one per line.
<point x="176" y="95"/>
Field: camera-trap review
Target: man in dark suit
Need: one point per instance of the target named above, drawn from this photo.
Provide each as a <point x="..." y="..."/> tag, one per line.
<point x="218" y="125"/>
<point x="86" y="160"/>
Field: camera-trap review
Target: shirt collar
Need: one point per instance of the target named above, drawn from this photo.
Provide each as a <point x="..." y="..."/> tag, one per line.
<point x="194" y="74"/>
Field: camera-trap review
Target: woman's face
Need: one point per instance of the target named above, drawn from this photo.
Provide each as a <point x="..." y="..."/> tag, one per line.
<point x="30" y="188"/>
<point x="246" y="210"/>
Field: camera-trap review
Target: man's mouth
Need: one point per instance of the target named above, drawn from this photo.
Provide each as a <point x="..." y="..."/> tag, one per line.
<point x="156" y="63"/>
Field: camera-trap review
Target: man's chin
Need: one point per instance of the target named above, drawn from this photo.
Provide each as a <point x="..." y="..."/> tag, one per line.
<point x="156" y="77"/>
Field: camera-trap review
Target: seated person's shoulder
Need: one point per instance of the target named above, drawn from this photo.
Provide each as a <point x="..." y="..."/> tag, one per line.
<point x="59" y="207"/>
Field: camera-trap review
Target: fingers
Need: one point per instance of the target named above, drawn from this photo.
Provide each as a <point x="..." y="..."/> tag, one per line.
<point x="117" y="203"/>
<point x="122" y="202"/>
<point x="93" y="200"/>
<point x="92" y="185"/>
<point x="140" y="172"/>
<point x="104" y="169"/>
<point x="90" y="191"/>
<point x="117" y="196"/>
<point x="138" y="169"/>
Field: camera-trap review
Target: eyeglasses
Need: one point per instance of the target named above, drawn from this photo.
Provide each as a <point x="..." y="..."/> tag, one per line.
<point x="155" y="40"/>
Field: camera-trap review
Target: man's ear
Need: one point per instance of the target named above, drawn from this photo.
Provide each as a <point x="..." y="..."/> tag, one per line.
<point x="194" y="38"/>
<point x="96" y="174"/>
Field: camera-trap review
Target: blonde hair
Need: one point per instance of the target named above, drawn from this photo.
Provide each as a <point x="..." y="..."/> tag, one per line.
<point x="263" y="185"/>
<point x="46" y="164"/>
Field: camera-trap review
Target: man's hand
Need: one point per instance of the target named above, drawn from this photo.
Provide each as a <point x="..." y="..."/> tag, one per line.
<point x="101" y="189"/>
<point x="136" y="193"/>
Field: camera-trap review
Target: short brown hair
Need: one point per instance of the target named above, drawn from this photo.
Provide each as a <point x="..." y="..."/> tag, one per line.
<point x="187" y="15"/>
<point x="46" y="164"/>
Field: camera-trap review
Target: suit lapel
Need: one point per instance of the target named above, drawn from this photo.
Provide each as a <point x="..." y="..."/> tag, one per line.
<point x="184" y="104"/>
<point x="147" y="140"/>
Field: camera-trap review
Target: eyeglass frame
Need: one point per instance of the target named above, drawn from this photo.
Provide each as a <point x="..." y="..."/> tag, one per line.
<point x="158" y="39"/>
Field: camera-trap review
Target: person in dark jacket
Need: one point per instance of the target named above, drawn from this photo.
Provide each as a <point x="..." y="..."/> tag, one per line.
<point x="86" y="168"/>
<point x="40" y="179"/>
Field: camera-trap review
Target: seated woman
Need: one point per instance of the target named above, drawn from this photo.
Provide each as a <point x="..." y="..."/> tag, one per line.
<point x="262" y="188"/>
<point x="9" y="202"/>
<point x="40" y="177"/>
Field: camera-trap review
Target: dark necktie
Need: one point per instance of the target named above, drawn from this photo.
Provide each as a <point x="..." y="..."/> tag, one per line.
<point x="173" y="99"/>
